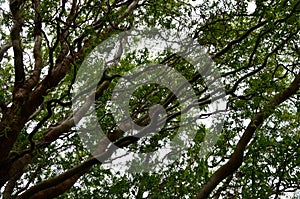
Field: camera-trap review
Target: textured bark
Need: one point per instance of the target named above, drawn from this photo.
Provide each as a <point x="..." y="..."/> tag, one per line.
<point x="57" y="189"/>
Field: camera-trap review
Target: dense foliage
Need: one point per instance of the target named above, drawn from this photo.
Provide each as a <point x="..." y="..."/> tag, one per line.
<point x="254" y="46"/>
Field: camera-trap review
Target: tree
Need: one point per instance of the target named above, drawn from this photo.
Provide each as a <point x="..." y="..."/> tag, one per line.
<point x="44" y="43"/>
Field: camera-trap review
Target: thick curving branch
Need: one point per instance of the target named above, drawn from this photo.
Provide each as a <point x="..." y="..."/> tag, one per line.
<point x="236" y="160"/>
<point x="15" y="34"/>
<point x="37" y="54"/>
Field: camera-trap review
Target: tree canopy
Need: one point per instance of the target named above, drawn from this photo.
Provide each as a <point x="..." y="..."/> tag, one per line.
<point x="253" y="46"/>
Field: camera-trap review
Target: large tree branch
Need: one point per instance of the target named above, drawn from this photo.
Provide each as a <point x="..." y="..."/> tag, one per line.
<point x="10" y="125"/>
<point x="17" y="116"/>
<point x="33" y="80"/>
<point x="15" y="6"/>
<point x="236" y="159"/>
<point x="61" y="182"/>
<point x="58" y="189"/>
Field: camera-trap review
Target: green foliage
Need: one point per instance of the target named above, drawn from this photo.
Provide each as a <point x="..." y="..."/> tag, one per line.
<point x="256" y="54"/>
